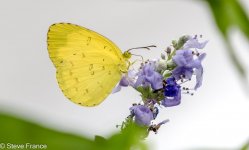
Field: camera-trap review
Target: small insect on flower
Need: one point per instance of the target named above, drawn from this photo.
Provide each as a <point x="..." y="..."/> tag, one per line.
<point x="155" y="127"/>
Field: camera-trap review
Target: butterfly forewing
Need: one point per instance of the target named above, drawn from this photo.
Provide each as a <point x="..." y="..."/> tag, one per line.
<point x="87" y="63"/>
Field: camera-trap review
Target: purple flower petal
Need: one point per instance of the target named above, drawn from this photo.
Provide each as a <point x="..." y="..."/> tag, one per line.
<point x="127" y="80"/>
<point x="172" y="88"/>
<point x="202" y="56"/>
<point x="116" y="89"/>
<point x="140" y="80"/>
<point x="172" y="101"/>
<point x="143" y="115"/>
<point x="199" y="70"/>
<point x="183" y="57"/>
<point x="180" y="72"/>
<point x="124" y="82"/>
<point x="156" y="80"/>
<point x="155" y="112"/>
<point x="148" y="76"/>
<point x="132" y="74"/>
<point x="194" y="43"/>
<point x="199" y="77"/>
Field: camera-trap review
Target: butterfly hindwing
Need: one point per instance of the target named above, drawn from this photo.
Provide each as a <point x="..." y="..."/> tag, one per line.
<point x="87" y="63"/>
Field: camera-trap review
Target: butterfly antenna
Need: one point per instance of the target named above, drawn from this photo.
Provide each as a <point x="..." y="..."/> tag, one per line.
<point x="145" y="47"/>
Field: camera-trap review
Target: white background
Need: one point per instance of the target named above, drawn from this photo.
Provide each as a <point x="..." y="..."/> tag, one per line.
<point x="215" y="117"/>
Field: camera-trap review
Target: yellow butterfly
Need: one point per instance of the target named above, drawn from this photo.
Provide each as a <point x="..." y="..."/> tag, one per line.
<point x="88" y="64"/>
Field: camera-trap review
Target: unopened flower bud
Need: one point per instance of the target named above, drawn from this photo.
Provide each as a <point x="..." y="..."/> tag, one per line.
<point x="162" y="56"/>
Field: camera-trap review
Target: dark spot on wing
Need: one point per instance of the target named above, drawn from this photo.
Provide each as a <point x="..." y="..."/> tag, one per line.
<point x="88" y="40"/>
<point x="90" y="66"/>
<point x="83" y="55"/>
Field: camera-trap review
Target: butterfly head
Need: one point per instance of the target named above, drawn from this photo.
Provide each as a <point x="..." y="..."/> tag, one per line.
<point x="124" y="66"/>
<point x="127" y="55"/>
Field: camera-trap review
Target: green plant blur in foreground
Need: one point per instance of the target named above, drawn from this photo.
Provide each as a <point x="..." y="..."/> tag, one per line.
<point x="17" y="131"/>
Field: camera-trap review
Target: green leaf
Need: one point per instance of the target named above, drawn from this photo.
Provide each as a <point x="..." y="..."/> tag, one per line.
<point x="239" y="16"/>
<point x="221" y="15"/>
<point x="100" y="140"/>
<point x="145" y="92"/>
<point x="148" y="93"/>
<point x="245" y="147"/>
<point x="130" y="138"/>
<point x="227" y="14"/>
<point x="18" y="131"/>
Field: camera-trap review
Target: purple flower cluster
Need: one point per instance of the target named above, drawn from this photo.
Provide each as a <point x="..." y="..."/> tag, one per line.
<point x="188" y="60"/>
<point x="161" y="82"/>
